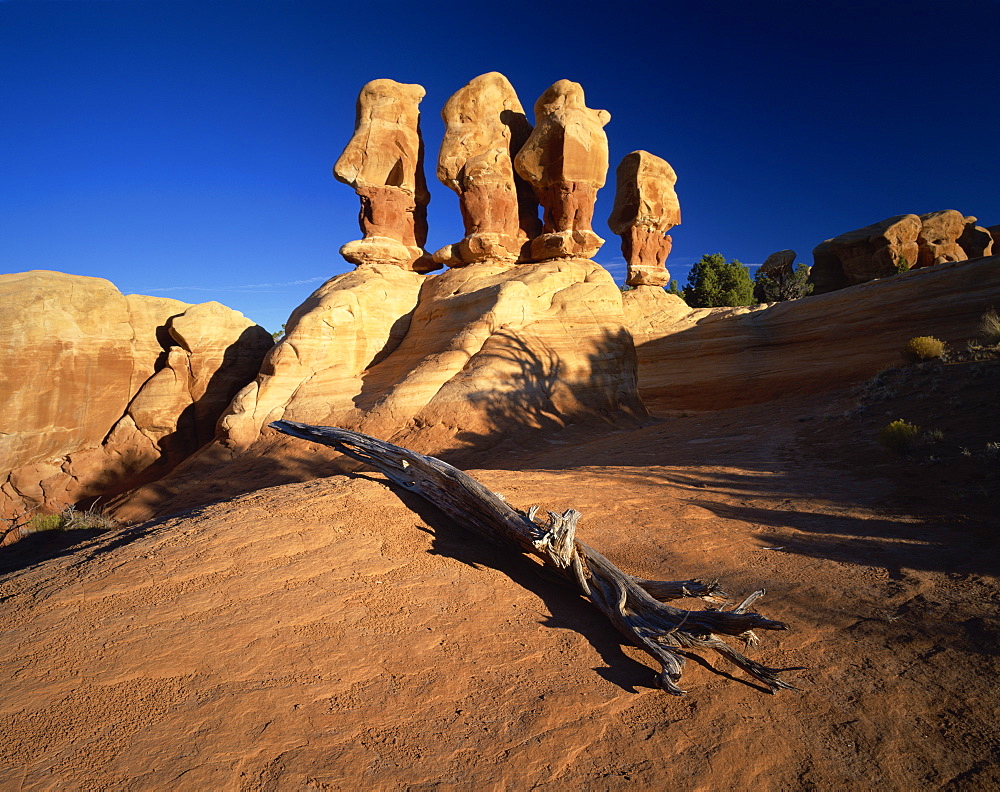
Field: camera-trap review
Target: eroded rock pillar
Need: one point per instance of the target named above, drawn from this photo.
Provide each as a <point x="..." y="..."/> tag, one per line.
<point x="383" y="162"/>
<point x="485" y="127"/>
<point x="565" y="160"/>
<point x="646" y="207"/>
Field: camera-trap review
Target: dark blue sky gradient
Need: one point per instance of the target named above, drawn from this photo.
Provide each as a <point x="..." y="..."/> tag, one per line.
<point x="184" y="148"/>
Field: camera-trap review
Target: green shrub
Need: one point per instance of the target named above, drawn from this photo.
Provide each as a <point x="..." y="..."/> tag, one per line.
<point x="899" y="436"/>
<point x="902" y="265"/>
<point x="675" y="290"/>
<point x="44" y="522"/>
<point x="714" y="283"/>
<point x="780" y="288"/>
<point x="923" y="348"/>
<point x="989" y="326"/>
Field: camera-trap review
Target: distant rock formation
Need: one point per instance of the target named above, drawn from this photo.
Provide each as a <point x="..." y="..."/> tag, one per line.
<point x="895" y="245"/>
<point x="779" y="265"/>
<point x="103" y="391"/>
<point x="646" y="208"/>
<point x="383" y="162"/>
<point x="937" y="241"/>
<point x="565" y="160"/>
<point x="485" y="127"/>
<point x="975" y="240"/>
<point x="454" y="363"/>
<point x="875" y="251"/>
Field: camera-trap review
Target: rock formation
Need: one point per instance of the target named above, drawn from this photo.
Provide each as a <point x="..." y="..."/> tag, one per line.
<point x="646" y="208"/>
<point x="104" y="390"/>
<point x="779" y="265"/>
<point x="975" y="240"/>
<point x="485" y="127"/>
<point x="937" y="241"/>
<point x="566" y="162"/>
<point x="995" y="233"/>
<point x="715" y="358"/>
<point x="451" y="364"/>
<point x="383" y="162"/>
<point x="875" y="251"/>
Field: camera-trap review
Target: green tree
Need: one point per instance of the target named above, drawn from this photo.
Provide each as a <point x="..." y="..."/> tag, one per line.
<point x="713" y="282"/>
<point x="675" y="289"/>
<point x="781" y="287"/>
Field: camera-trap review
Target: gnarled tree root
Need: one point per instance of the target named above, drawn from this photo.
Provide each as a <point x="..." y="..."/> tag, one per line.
<point x="635" y="606"/>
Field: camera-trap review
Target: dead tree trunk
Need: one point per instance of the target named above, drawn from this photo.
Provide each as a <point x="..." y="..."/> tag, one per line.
<point x="633" y="605"/>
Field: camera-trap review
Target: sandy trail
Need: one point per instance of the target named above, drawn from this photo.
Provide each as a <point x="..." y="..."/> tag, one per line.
<point x="332" y="634"/>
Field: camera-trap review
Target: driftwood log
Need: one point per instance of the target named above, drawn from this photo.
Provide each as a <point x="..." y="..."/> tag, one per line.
<point x="635" y="606"/>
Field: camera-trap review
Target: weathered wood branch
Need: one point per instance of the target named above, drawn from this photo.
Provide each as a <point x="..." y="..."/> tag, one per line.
<point x="635" y="606"/>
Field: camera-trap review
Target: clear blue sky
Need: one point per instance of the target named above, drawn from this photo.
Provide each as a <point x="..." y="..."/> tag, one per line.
<point x="184" y="148"/>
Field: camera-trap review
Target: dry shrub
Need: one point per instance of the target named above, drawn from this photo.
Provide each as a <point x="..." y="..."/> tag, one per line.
<point x="923" y="348"/>
<point x="899" y="436"/>
<point x="989" y="326"/>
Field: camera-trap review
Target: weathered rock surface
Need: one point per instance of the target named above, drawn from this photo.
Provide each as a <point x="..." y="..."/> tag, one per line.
<point x="975" y="240"/>
<point x="995" y="233"/>
<point x="779" y="265"/>
<point x="710" y="358"/>
<point x="938" y="239"/>
<point x="448" y="364"/>
<point x="875" y="251"/>
<point x="565" y="160"/>
<point x="646" y="208"/>
<point x="101" y="389"/>
<point x="383" y="162"/>
<point x="485" y="127"/>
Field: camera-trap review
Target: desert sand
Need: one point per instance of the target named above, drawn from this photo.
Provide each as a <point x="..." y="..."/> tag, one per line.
<point x="334" y="633"/>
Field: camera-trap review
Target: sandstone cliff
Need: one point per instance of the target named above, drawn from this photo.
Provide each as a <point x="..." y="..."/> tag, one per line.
<point x="711" y="358"/>
<point x="102" y="390"/>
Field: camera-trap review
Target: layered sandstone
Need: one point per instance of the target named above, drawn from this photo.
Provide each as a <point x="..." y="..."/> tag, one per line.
<point x="485" y="127"/>
<point x="937" y="241"/>
<point x="565" y="160"/>
<point x="646" y="208"/>
<point x="383" y="162"/>
<point x="712" y="358"/>
<point x="875" y="251"/>
<point x="102" y="390"/>
<point x="453" y="363"/>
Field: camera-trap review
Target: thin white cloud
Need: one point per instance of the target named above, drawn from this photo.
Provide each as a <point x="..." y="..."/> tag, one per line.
<point x="244" y="287"/>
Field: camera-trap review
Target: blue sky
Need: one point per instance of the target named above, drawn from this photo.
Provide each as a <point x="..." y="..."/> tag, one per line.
<point x="185" y="148"/>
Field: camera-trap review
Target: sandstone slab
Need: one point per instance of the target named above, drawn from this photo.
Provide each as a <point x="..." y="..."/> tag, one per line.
<point x="875" y="251"/>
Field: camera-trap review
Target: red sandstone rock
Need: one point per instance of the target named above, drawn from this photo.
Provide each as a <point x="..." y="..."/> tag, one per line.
<point x="566" y="162"/>
<point x="779" y="265"/>
<point x="975" y="240"/>
<point x="485" y="127"/>
<point x="383" y="162"/>
<point x="875" y="251"/>
<point x="103" y="389"/>
<point x="938" y="238"/>
<point x="646" y="207"/>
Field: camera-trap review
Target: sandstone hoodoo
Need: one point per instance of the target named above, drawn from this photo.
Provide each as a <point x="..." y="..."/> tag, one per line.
<point x="485" y="127"/>
<point x="383" y="162"/>
<point x="779" y="265"/>
<point x="646" y="208"/>
<point x="565" y="160"/>
<point x="105" y="391"/>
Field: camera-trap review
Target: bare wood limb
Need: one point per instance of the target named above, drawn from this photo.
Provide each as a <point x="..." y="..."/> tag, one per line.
<point x="634" y="605"/>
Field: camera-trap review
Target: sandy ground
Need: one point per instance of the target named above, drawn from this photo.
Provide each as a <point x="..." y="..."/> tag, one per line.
<point x="332" y="634"/>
